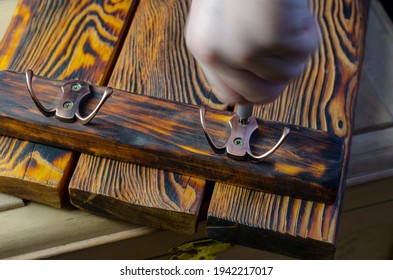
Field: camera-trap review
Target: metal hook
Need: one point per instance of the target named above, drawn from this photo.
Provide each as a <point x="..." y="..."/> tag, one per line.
<point x="242" y="126"/>
<point x="67" y="110"/>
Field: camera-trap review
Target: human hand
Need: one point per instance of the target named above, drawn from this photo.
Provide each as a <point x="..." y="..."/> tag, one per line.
<point x="250" y="50"/>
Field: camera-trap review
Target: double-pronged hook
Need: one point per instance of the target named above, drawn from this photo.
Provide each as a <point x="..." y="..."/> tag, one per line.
<point x="67" y="110"/>
<point x="242" y="126"/>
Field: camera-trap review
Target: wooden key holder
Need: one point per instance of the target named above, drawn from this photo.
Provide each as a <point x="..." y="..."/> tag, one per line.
<point x="168" y="135"/>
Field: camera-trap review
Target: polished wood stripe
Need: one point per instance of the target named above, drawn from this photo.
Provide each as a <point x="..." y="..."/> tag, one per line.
<point x="323" y="98"/>
<point x="154" y="61"/>
<point x="64" y="39"/>
<point x="161" y="134"/>
<point x="60" y="40"/>
<point x="175" y="192"/>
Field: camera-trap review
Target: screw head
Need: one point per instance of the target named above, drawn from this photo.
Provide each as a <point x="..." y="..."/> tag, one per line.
<point x="76" y="87"/>
<point x="68" y="105"/>
<point x="238" y="141"/>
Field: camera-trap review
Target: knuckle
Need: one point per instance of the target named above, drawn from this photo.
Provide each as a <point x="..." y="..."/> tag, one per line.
<point x="230" y="99"/>
<point x="202" y="48"/>
<point x="266" y="93"/>
<point x="245" y="54"/>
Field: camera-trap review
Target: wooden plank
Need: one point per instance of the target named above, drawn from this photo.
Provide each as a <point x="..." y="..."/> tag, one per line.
<point x="366" y="232"/>
<point x="38" y="231"/>
<point x="323" y="98"/>
<point x="376" y="60"/>
<point x="149" y="64"/>
<point x="8" y="202"/>
<point x="374" y="110"/>
<point x="40" y="37"/>
<point x="7" y="10"/>
<point x="143" y="246"/>
<point x="162" y="134"/>
<point x="371" y="157"/>
<point x="369" y="194"/>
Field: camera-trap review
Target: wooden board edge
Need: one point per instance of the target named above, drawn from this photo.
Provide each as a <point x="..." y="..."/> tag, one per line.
<point x="268" y="240"/>
<point x="110" y="207"/>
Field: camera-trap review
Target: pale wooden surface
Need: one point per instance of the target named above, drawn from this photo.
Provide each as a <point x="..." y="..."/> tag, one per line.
<point x="39" y="231"/>
<point x="371" y="157"/>
<point x="8" y="202"/>
<point x="7" y="8"/>
<point x="372" y="145"/>
<point x="376" y="111"/>
<point x="366" y="231"/>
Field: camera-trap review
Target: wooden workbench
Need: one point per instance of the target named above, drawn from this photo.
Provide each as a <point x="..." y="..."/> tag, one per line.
<point x="45" y="232"/>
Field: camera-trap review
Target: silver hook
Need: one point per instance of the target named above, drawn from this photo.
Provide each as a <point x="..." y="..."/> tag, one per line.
<point x="242" y="126"/>
<point x="67" y="110"/>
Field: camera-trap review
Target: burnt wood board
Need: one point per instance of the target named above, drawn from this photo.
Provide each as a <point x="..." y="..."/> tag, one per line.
<point x="168" y="135"/>
<point x="148" y="64"/>
<point x="58" y="40"/>
<point x="323" y="98"/>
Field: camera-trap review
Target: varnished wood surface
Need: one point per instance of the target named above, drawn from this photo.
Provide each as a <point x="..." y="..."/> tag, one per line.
<point x="359" y="237"/>
<point x="61" y="40"/>
<point x="147" y="196"/>
<point x="371" y="152"/>
<point x="154" y="62"/>
<point x="364" y="232"/>
<point x="323" y="98"/>
<point x="165" y="135"/>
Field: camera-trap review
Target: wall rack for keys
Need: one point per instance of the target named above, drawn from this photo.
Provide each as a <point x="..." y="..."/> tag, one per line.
<point x="162" y="134"/>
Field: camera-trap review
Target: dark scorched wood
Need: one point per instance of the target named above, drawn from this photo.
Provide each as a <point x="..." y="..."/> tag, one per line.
<point x="168" y="135"/>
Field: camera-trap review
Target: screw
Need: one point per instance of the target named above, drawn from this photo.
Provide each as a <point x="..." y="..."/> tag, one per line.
<point x="243" y="121"/>
<point x="238" y="141"/>
<point x="68" y="105"/>
<point x="76" y="87"/>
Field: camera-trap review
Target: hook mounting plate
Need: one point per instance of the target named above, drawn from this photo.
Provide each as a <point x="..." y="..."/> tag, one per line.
<point x="238" y="144"/>
<point x="68" y="107"/>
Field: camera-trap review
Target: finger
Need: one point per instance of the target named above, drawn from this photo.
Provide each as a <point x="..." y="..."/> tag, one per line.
<point x="302" y="42"/>
<point x="249" y="86"/>
<point x="231" y="85"/>
<point x="275" y="69"/>
<point x="221" y="90"/>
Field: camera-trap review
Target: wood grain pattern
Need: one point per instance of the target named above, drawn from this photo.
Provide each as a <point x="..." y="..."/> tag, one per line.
<point x="165" y="135"/>
<point x="173" y="204"/>
<point x="62" y="40"/>
<point x="154" y="62"/>
<point x="323" y="98"/>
